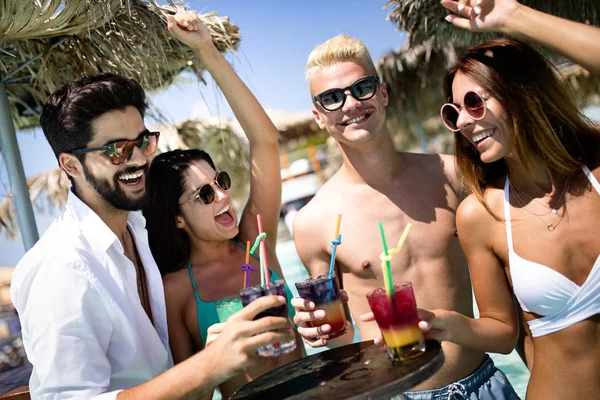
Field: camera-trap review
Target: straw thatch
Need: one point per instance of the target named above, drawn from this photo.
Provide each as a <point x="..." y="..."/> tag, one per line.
<point x="294" y="127"/>
<point x="47" y="191"/>
<point x="127" y="37"/>
<point x="414" y="80"/>
<point x="424" y="19"/>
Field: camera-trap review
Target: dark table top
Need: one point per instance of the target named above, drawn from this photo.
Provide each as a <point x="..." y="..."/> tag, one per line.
<point x="15" y="378"/>
<point x="356" y="371"/>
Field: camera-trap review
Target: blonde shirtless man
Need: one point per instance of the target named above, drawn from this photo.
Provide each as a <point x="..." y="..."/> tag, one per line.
<point x="377" y="183"/>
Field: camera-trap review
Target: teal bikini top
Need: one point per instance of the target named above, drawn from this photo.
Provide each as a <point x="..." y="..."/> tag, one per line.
<point x="207" y="312"/>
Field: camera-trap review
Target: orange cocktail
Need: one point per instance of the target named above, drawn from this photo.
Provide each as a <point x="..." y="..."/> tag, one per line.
<point x="325" y="293"/>
<point x="398" y="321"/>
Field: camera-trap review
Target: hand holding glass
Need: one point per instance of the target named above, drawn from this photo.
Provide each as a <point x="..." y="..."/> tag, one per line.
<point x="325" y="293"/>
<point x="398" y="321"/>
<point x="248" y="295"/>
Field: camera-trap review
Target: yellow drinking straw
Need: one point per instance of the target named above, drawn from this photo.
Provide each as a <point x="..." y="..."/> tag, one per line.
<point x="386" y="257"/>
<point x="337" y="228"/>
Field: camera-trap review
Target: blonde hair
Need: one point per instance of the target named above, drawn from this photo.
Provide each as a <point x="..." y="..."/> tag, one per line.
<point x="338" y="49"/>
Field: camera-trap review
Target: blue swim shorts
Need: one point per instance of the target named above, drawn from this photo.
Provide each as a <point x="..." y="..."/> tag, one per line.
<point x="486" y="383"/>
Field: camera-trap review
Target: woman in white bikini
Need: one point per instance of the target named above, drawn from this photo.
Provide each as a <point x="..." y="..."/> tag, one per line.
<point x="532" y="163"/>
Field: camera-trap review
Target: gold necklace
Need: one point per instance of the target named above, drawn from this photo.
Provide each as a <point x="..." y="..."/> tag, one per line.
<point x="554" y="210"/>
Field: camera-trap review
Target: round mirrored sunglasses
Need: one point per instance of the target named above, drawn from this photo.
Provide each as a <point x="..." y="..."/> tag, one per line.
<point x="474" y="105"/>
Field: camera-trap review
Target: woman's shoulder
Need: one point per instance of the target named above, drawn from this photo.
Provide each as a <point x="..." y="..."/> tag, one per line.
<point x="177" y="284"/>
<point x="473" y="211"/>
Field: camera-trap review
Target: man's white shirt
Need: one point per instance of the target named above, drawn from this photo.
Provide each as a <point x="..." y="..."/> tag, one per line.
<point x="84" y="328"/>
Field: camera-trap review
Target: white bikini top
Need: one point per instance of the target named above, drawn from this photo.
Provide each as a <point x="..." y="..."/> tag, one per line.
<point x="544" y="291"/>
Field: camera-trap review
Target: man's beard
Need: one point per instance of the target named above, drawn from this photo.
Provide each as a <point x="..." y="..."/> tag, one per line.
<point x="115" y="196"/>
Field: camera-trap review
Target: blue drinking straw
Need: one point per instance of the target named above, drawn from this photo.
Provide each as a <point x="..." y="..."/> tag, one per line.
<point x="334" y="244"/>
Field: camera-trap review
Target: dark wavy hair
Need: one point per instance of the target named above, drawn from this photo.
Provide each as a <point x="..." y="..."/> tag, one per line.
<point x="170" y="245"/>
<point x="544" y="118"/>
<point x="69" y="112"/>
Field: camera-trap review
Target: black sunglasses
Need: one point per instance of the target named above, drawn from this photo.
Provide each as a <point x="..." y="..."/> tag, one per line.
<point x="206" y="194"/>
<point x="334" y="99"/>
<point x="122" y="150"/>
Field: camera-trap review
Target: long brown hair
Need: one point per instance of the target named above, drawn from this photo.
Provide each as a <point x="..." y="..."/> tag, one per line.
<point x="545" y="120"/>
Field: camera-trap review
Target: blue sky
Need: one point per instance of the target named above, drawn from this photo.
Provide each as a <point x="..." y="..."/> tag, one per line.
<point x="277" y="37"/>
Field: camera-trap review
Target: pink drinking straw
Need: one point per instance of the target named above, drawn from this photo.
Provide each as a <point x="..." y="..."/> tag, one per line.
<point x="263" y="252"/>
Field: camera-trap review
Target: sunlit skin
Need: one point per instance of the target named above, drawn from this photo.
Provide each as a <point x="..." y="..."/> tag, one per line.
<point x="198" y="219"/>
<point x="388" y="186"/>
<point x="564" y="364"/>
<point x="495" y="121"/>
<point x="216" y="261"/>
<point x="342" y="75"/>
<point x="110" y="126"/>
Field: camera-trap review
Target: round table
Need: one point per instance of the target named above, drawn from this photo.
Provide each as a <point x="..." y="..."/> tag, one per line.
<point x="356" y="371"/>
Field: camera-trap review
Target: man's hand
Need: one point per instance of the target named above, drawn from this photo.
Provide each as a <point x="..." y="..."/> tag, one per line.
<point x="308" y="319"/>
<point x="235" y="343"/>
<point x="213" y="332"/>
<point x="481" y="15"/>
<point x="187" y="27"/>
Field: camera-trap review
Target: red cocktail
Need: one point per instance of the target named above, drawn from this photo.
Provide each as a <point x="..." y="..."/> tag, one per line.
<point x="398" y="321"/>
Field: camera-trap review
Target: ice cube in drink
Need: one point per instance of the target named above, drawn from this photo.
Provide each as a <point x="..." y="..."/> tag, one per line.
<point x="277" y="288"/>
<point x="228" y="306"/>
<point x="398" y="321"/>
<point x="325" y="293"/>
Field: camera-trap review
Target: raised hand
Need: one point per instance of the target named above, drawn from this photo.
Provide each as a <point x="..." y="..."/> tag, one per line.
<point x="481" y="15"/>
<point x="187" y="27"/>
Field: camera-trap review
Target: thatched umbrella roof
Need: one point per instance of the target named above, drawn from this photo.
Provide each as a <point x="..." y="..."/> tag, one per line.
<point x="48" y="191"/>
<point x="43" y="45"/>
<point x="414" y="79"/>
<point x="414" y="75"/>
<point x="67" y="40"/>
<point x="424" y="19"/>
<point x="294" y="126"/>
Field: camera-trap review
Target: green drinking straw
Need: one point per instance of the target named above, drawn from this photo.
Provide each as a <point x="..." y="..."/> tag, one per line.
<point x="257" y="242"/>
<point x="385" y="265"/>
<point x="386" y="256"/>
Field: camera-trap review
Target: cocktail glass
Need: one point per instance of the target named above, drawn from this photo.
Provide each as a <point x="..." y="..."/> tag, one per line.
<point x="325" y="293"/>
<point x="398" y="321"/>
<point x="277" y="288"/>
<point x="228" y="306"/>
